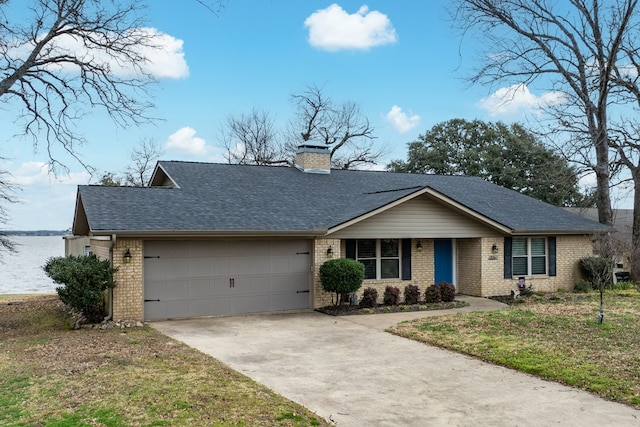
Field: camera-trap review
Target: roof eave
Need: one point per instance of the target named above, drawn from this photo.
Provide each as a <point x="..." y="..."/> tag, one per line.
<point x="212" y="233"/>
<point x="558" y="232"/>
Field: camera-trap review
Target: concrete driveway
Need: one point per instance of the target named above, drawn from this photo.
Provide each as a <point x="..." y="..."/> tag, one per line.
<point x="349" y="371"/>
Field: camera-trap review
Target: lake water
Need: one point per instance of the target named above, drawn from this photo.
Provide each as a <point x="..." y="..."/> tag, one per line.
<point x="21" y="272"/>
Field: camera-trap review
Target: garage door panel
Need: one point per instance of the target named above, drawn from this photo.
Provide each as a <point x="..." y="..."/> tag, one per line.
<point x="176" y="269"/>
<point x="220" y="266"/>
<point x="221" y="286"/>
<point x="156" y="289"/>
<point x="221" y="306"/>
<point x="289" y="300"/>
<point x="177" y="309"/>
<point x="200" y="307"/>
<point x="155" y="311"/>
<point x="155" y="269"/>
<point x="176" y="290"/>
<point x="260" y="265"/>
<point x="199" y="267"/>
<point x="199" y="288"/>
<point x="285" y="283"/>
<point x="199" y="248"/>
<point x="214" y="278"/>
<point x="176" y="249"/>
<point x="239" y="265"/>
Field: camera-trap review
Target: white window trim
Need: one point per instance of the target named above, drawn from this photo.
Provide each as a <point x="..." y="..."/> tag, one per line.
<point x="379" y="259"/>
<point x="530" y="257"/>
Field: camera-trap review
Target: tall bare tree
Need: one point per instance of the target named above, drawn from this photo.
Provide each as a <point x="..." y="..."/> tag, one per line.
<point x="253" y="138"/>
<point x="143" y="160"/>
<point x="570" y="48"/>
<point x="340" y="127"/>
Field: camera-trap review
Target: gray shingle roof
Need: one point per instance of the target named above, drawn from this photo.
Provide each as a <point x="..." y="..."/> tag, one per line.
<point x="227" y="198"/>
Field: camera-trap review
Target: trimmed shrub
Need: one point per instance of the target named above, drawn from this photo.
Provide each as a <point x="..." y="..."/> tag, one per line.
<point x="84" y="280"/>
<point x="411" y="294"/>
<point x="391" y="296"/>
<point x="447" y="291"/>
<point x="432" y="294"/>
<point x="582" y="286"/>
<point x="341" y="276"/>
<point x="369" y="298"/>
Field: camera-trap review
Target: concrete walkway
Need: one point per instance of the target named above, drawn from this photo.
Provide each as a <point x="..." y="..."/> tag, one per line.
<point x="347" y="370"/>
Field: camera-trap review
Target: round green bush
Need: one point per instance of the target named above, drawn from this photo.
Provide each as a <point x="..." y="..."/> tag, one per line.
<point x="341" y="276"/>
<point x="84" y="280"/>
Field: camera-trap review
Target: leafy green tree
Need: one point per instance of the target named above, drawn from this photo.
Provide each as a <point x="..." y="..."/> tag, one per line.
<point x="84" y="280"/>
<point x="341" y="276"/>
<point x="508" y="156"/>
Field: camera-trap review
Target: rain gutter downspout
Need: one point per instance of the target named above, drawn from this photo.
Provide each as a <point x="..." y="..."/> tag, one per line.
<point x="109" y="316"/>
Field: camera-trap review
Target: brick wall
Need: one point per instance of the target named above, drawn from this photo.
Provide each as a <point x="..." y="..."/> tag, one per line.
<point x="469" y="266"/>
<point x="569" y="250"/>
<point x="128" y="293"/>
<point x="320" y="297"/>
<point x="315" y="161"/>
<point x="422" y="273"/>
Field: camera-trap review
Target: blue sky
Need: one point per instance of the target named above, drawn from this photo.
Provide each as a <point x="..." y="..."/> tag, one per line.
<point x="400" y="61"/>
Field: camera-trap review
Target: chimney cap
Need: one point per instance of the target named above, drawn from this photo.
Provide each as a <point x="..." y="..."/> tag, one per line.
<point x="312" y="148"/>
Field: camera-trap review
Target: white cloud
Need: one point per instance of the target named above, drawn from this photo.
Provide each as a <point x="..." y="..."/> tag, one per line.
<point x="513" y="100"/>
<point x="38" y="173"/>
<point x="334" y="29"/>
<point x="163" y="52"/>
<point x="185" y="141"/>
<point x="400" y="121"/>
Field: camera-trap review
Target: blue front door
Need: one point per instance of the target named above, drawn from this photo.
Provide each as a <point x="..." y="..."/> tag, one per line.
<point x="443" y="260"/>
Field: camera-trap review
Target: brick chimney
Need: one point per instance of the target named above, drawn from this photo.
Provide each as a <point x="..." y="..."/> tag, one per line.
<point x="313" y="159"/>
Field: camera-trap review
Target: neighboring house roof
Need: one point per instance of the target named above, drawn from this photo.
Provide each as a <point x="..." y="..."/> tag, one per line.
<point x="223" y="198"/>
<point x="622" y="221"/>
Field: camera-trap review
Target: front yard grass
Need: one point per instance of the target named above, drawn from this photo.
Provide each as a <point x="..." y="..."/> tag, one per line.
<point x="52" y="376"/>
<point x="553" y="336"/>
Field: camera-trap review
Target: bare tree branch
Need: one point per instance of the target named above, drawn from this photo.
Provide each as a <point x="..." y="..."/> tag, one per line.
<point x="567" y="47"/>
<point x="143" y="159"/>
<point x="70" y="57"/>
<point x="339" y="127"/>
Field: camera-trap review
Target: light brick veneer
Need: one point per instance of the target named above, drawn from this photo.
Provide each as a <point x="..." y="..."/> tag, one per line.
<point x="422" y="272"/>
<point x="128" y="293"/>
<point x="569" y="251"/>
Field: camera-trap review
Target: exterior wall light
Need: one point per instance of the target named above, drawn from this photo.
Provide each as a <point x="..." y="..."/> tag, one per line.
<point x="494" y="249"/>
<point x="419" y="246"/>
<point x="330" y="252"/>
<point x="127" y="257"/>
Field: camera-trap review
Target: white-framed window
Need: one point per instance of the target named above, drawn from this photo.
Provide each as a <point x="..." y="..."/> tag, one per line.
<point x="381" y="258"/>
<point x="529" y="256"/>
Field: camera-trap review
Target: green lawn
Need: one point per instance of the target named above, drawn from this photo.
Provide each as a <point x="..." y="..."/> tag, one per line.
<point x="52" y="376"/>
<point x="556" y="337"/>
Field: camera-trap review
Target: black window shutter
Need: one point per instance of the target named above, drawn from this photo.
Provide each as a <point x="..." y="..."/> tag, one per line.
<point x="508" y="272"/>
<point x="551" y="244"/>
<point x="351" y="248"/>
<point x="406" y="259"/>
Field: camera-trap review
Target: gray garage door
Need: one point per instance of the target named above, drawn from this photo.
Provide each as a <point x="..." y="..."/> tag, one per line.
<point x="214" y="278"/>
